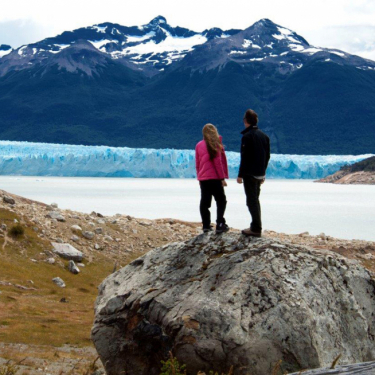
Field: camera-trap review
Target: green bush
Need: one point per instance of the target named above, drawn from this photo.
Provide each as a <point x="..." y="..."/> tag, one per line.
<point x="172" y="367"/>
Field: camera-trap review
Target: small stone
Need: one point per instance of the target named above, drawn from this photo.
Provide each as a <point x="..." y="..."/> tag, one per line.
<point x="114" y="222"/>
<point x="54" y="205"/>
<point x="108" y="238"/>
<point x="4" y="227"/>
<point x="76" y="228"/>
<point x="97" y="246"/>
<point x="99" y="230"/>
<point x="59" y="282"/>
<point x="51" y="260"/>
<point x="88" y="235"/>
<point x="100" y="221"/>
<point x="80" y="265"/>
<point x="73" y="268"/>
<point x="74" y="238"/>
<point x="99" y="214"/>
<point x="135" y="231"/>
<point x="59" y="240"/>
<point x="55" y="215"/>
<point x="64" y="300"/>
<point x="8" y="200"/>
<point x="304" y="234"/>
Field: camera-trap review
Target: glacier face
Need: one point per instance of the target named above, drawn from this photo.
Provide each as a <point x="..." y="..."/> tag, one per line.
<point x="42" y="159"/>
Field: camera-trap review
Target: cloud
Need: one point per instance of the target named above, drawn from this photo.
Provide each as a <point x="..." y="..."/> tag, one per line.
<point x="21" y="31"/>
<point x="354" y="39"/>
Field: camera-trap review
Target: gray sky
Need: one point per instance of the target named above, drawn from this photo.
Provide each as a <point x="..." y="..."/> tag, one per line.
<point x="344" y="24"/>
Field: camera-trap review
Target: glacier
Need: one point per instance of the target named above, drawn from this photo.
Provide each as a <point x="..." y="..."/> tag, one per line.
<point x="45" y="159"/>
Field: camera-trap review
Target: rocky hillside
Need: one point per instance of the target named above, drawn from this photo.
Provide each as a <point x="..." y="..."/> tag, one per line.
<point x="227" y="300"/>
<point x="46" y="326"/>
<point x="361" y="173"/>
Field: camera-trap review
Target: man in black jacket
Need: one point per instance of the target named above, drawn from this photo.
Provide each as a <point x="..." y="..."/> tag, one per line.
<point x="255" y="155"/>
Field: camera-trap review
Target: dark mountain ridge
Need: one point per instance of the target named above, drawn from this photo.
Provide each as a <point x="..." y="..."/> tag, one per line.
<point x="156" y="86"/>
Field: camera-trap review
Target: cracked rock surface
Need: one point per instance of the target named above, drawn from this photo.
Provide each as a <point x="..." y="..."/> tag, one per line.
<point x="222" y="300"/>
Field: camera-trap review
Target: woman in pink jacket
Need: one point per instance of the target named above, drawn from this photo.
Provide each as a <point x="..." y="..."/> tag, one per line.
<point x="212" y="170"/>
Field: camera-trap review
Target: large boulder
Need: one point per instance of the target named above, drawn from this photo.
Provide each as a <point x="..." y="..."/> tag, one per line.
<point x="222" y="300"/>
<point x="67" y="251"/>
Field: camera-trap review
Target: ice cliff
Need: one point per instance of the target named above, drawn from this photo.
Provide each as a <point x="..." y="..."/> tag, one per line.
<point x="42" y="159"/>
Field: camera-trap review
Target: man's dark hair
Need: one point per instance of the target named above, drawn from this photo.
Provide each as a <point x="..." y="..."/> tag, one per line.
<point x="251" y="117"/>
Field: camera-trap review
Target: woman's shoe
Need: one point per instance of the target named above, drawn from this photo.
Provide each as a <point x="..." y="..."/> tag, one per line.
<point x="221" y="228"/>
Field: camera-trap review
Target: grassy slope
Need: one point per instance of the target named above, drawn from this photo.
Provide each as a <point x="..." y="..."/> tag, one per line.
<point x="37" y="316"/>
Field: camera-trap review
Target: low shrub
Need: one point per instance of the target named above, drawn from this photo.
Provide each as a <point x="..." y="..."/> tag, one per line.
<point x="17" y="230"/>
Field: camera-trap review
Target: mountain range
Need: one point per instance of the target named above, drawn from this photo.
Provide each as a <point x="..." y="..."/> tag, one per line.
<point x="156" y="86"/>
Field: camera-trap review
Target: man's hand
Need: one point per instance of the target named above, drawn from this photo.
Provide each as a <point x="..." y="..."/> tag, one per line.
<point x="224" y="183"/>
<point x="262" y="181"/>
<point x="239" y="180"/>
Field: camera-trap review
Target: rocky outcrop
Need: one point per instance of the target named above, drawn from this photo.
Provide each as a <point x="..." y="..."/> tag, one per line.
<point x="217" y="301"/>
<point x="354" y="178"/>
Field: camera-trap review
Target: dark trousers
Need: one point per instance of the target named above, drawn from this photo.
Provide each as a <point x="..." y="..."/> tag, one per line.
<point x="252" y="191"/>
<point x="209" y="189"/>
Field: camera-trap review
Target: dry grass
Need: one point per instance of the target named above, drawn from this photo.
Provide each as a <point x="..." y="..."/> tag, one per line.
<point x="38" y="316"/>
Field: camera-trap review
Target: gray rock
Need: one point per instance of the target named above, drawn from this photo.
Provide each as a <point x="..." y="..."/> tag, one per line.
<point x="67" y="251"/>
<point x="99" y="230"/>
<point x="73" y="268"/>
<point x="88" y="235"/>
<point x="74" y="238"/>
<point x="55" y="215"/>
<point x="108" y="238"/>
<point x="97" y="246"/>
<point x="76" y="228"/>
<point x="100" y="221"/>
<point x="217" y="301"/>
<point x="54" y="205"/>
<point x="367" y="368"/>
<point x="59" y="282"/>
<point x="9" y="200"/>
<point x="51" y="260"/>
<point x="4" y="227"/>
<point x="59" y="240"/>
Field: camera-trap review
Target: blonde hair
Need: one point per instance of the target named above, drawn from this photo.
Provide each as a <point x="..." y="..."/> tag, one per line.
<point x="212" y="139"/>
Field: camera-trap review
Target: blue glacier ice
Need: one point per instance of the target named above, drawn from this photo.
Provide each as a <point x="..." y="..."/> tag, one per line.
<point x="43" y="159"/>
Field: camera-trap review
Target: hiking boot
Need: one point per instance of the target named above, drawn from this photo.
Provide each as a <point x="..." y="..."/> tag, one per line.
<point x="221" y="228"/>
<point x="250" y="232"/>
<point x="206" y="230"/>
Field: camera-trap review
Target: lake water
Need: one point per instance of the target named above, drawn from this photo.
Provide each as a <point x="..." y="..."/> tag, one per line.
<point x="289" y="206"/>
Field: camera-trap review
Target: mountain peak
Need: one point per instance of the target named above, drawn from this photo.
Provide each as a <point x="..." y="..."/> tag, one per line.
<point x="158" y="20"/>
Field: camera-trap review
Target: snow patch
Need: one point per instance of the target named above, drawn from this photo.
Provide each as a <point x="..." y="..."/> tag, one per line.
<point x="99" y="29"/>
<point x="139" y="38"/>
<point x="237" y="52"/>
<point x="100" y="43"/>
<point x="20" y="51"/>
<point x="338" y="53"/>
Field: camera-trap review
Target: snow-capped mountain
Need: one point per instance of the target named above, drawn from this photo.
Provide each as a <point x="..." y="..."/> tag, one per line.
<point x="149" y="48"/>
<point x="156" y="86"/>
<point x="268" y="43"/>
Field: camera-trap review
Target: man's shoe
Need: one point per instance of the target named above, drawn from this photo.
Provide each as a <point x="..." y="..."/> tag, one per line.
<point x="221" y="228"/>
<point x="206" y="230"/>
<point x="249" y="232"/>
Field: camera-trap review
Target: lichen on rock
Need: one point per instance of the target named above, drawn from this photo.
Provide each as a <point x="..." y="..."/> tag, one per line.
<point x="222" y="300"/>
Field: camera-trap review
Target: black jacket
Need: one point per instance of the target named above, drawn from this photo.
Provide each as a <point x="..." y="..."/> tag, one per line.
<point x="255" y="152"/>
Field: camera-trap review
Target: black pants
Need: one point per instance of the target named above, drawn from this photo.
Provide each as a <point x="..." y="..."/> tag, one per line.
<point x="252" y="191"/>
<point x="213" y="188"/>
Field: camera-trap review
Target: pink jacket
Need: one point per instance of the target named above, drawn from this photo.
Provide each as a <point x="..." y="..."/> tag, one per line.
<point x="216" y="169"/>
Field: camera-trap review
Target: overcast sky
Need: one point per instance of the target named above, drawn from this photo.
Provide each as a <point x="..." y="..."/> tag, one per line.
<point x="348" y="25"/>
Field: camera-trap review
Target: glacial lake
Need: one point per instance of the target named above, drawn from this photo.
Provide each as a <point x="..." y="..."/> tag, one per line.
<point x="289" y="206"/>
